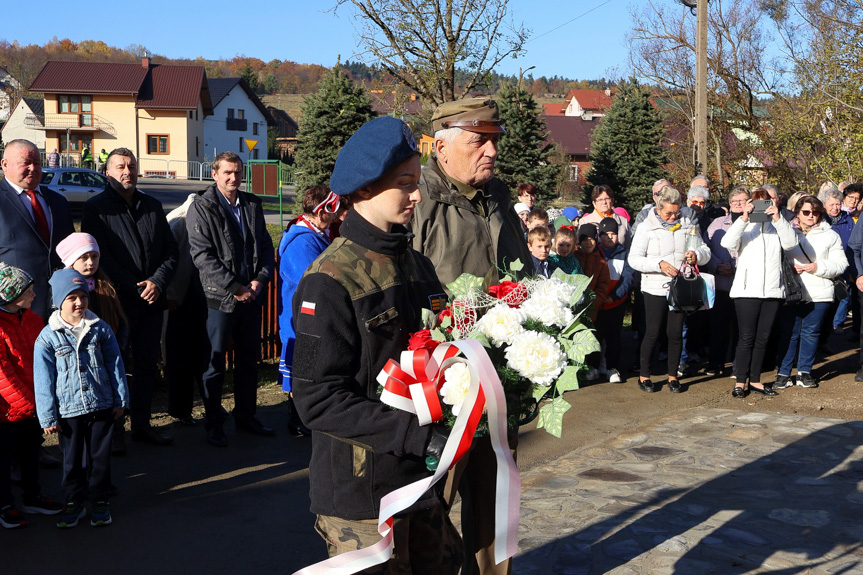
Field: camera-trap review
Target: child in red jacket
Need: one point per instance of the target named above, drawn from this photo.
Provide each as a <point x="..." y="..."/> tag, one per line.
<point x="20" y="434"/>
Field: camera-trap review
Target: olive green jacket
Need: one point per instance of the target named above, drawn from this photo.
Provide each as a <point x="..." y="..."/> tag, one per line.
<point x="450" y="231"/>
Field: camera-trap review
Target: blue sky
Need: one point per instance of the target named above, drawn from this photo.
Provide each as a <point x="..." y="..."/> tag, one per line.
<point x="565" y="41"/>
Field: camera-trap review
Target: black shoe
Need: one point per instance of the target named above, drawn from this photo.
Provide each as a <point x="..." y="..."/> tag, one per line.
<point x="151" y="436"/>
<point x="859" y="376"/>
<point x="782" y="382"/>
<point x="216" y="436"/>
<point x="738" y="391"/>
<point x="299" y="430"/>
<point x="255" y="427"/>
<point x="712" y="371"/>
<point x="806" y="380"/>
<point x="768" y="391"/>
<point x="646" y="385"/>
<point x="673" y="386"/>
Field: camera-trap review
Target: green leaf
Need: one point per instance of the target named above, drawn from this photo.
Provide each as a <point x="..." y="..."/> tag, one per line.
<point x="446" y="322"/>
<point x="482" y="339"/>
<point x="456" y="334"/>
<point x="516" y="266"/>
<point x="463" y="285"/>
<point x="438" y="335"/>
<point x="539" y="391"/>
<point x="551" y="416"/>
<point x="428" y="318"/>
<point x="583" y="343"/>
<point x="575" y="325"/>
<point x="568" y="381"/>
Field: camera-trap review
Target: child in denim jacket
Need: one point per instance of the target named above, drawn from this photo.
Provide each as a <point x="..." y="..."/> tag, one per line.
<point x="80" y="391"/>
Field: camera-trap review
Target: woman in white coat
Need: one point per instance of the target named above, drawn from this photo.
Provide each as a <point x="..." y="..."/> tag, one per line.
<point x="757" y="289"/>
<point x="658" y="250"/>
<point x="818" y="258"/>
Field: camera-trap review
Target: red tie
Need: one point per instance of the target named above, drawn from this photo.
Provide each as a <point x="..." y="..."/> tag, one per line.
<point x="39" y="216"/>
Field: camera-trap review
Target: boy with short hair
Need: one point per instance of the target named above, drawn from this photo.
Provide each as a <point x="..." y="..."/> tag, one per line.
<point x="20" y="435"/>
<point x="537" y="217"/>
<point x="539" y="244"/>
<point x="80" y="391"/>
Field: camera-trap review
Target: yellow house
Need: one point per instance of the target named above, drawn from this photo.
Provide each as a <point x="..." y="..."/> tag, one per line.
<point x="155" y="110"/>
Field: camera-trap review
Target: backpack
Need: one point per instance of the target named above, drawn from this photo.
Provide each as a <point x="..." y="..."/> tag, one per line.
<point x="686" y="290"/>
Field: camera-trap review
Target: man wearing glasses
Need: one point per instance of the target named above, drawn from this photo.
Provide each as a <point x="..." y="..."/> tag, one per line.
<point x="657" y="188"/>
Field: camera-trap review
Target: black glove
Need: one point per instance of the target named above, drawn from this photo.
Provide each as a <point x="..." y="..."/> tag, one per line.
<point x="434" y="448"/>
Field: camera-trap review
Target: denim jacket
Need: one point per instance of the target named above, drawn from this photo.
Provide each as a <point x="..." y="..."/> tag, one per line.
<point x="75" y="377"/>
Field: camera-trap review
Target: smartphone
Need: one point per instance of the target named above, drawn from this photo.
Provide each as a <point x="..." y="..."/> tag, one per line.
<point x="758" y="209"/>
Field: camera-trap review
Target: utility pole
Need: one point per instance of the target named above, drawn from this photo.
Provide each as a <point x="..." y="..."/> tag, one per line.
<point x="700" y="152"/>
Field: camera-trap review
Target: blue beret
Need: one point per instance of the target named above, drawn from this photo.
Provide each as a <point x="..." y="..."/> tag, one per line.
<point x="375" y="149"/>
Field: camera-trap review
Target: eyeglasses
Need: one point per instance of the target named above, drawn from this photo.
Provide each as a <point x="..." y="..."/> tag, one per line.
<point x="808" y="213"/>
<point x="602" y="201"/>
<point x="698" y="203"/>
<point x="737" y="202"/>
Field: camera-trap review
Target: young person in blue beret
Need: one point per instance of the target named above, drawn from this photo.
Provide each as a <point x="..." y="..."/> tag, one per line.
<point x="354" y="309"/>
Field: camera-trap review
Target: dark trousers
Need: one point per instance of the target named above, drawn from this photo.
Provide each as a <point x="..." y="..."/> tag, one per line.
<point x="186" y="353"/>
<point x="244" y="326"/>
<point x="659" y="318"/>
<point x="21" y="440"/>
<point x="145" y="334"/>
<point x="609" y="322"/>
<point x="755" y="318"/>
<point x="723" y="329"/>
<point x="87" y="438"/>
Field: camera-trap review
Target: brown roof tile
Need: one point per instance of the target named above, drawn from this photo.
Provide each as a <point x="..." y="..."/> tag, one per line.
<point x="571" y="132"/>
<point x="89" y="78"/>
<point x="174" y="87"/>
<point x="553" y="109"/>
<point x="591" y="99"/>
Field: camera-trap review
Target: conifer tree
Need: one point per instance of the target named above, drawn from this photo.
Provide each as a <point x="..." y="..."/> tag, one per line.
<point x="625" y="150"/>
<point x="329" y="118"/>
<point x="524" y="156"/>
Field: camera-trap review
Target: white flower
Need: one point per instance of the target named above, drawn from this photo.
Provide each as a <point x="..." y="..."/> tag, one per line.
<point x="456" y="386"/>
<point x="554" y="287"/>
<point x="547" y="308"/>
<point x="536" y="356"/>
<point x="501" y="324"/>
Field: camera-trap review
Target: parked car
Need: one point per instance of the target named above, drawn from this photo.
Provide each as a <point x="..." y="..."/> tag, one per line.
<point x="77" y="184"/>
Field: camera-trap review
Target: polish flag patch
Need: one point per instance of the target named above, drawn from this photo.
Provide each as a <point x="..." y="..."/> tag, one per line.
<point x="307" y="308"/>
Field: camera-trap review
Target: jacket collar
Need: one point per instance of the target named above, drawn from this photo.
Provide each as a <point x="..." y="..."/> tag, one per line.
<point x="445" y="191"/>
<point x="356" y="229"/>
<point x="56" y="324"/>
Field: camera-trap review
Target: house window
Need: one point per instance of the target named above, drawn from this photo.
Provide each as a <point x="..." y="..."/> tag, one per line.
<point x="255" y="129"/>
<point x="82" y="106"/>
<point x="196" y="115"/>
<point x="255" y="154"/>
<point x="190" y="114"/>
<point x="157" y="144"/>
<point x="197" y="146"/>
<point x="241" y="114"/>
<point x="230" y="113"/>
<point x="241" y="145"/>
<point x="572" y="173"/>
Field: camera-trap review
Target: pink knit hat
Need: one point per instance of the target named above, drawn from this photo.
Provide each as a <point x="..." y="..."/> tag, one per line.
<point x="76" y="245"/>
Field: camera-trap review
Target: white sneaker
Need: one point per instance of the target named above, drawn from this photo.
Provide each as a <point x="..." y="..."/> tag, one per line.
<point x="614" y="376"/>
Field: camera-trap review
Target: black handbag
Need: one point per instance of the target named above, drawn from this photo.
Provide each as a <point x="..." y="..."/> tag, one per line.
<point x="686" y="290"/>
<point x="791" y="280"/>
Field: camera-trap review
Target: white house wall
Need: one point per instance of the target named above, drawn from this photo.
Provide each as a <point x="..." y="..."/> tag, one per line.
<point x="218" y="139"/>
<point x="15" y="129"/>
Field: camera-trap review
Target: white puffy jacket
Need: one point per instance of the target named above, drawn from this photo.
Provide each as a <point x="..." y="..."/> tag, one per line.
<point x="824" y="247"/>
<point x="757" y="247"/>
<point x="653" y="244"/>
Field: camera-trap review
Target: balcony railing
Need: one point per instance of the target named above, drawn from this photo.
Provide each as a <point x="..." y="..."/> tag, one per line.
<point x="70" y="121"/>
<point x="237" y="124"/>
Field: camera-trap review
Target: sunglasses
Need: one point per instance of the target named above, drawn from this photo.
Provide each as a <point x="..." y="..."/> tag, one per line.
<point x="697" y="203"/>
<point x="808" y="213"/>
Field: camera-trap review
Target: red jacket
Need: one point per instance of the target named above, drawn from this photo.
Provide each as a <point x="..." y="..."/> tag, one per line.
<point x="18" y="333"/>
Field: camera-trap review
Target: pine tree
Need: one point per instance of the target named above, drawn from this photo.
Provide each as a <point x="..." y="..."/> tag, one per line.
<point x="329" y="118"/>
<point x="524" y="156"/>
<point x="625" y="151"/>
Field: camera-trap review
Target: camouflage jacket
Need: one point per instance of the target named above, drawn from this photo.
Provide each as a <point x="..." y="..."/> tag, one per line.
<point x="354" y="309"/>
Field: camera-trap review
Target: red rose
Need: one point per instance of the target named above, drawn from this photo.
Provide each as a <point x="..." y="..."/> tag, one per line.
<point x="512" y="293"/>
<point x="422" y="340"/>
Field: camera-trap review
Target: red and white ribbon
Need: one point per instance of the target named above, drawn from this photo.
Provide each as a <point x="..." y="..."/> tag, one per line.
<point x="424" y="370"/>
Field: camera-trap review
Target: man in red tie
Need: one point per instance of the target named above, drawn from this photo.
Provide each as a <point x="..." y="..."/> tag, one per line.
<point x="33" y="220"/>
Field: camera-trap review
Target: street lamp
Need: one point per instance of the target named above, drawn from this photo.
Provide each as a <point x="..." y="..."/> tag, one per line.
<point x="699" y="8"/>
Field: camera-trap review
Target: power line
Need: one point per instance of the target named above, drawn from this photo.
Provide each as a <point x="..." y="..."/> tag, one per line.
<point x="568" y="22"/>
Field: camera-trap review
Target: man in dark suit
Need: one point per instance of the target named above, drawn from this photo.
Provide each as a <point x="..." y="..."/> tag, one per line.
<point x="33" y="220"/>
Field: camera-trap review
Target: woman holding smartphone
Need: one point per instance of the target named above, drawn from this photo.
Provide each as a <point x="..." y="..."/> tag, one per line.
<point x="757" y="289"/>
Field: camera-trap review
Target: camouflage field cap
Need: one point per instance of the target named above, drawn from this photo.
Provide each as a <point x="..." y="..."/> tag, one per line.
<point x="471" y="114"/>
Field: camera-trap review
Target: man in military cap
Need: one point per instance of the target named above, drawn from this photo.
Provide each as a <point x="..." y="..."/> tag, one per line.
<point x="466" y="223"/>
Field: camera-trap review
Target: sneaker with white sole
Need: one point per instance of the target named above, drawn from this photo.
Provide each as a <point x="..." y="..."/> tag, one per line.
<point x="806" y="380"/>
<point x="614" y="376"/>
<point x="101" y="514"/>
<point x="41" y="504"/>
<point x="783" y="382"/>
<point x="11" y="518"/>
<point x="70" y="515"/>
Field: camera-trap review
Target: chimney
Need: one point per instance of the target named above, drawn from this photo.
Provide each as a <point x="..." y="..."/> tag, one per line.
<point x="608" y="91"/>
<point x="145" y="62"/>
